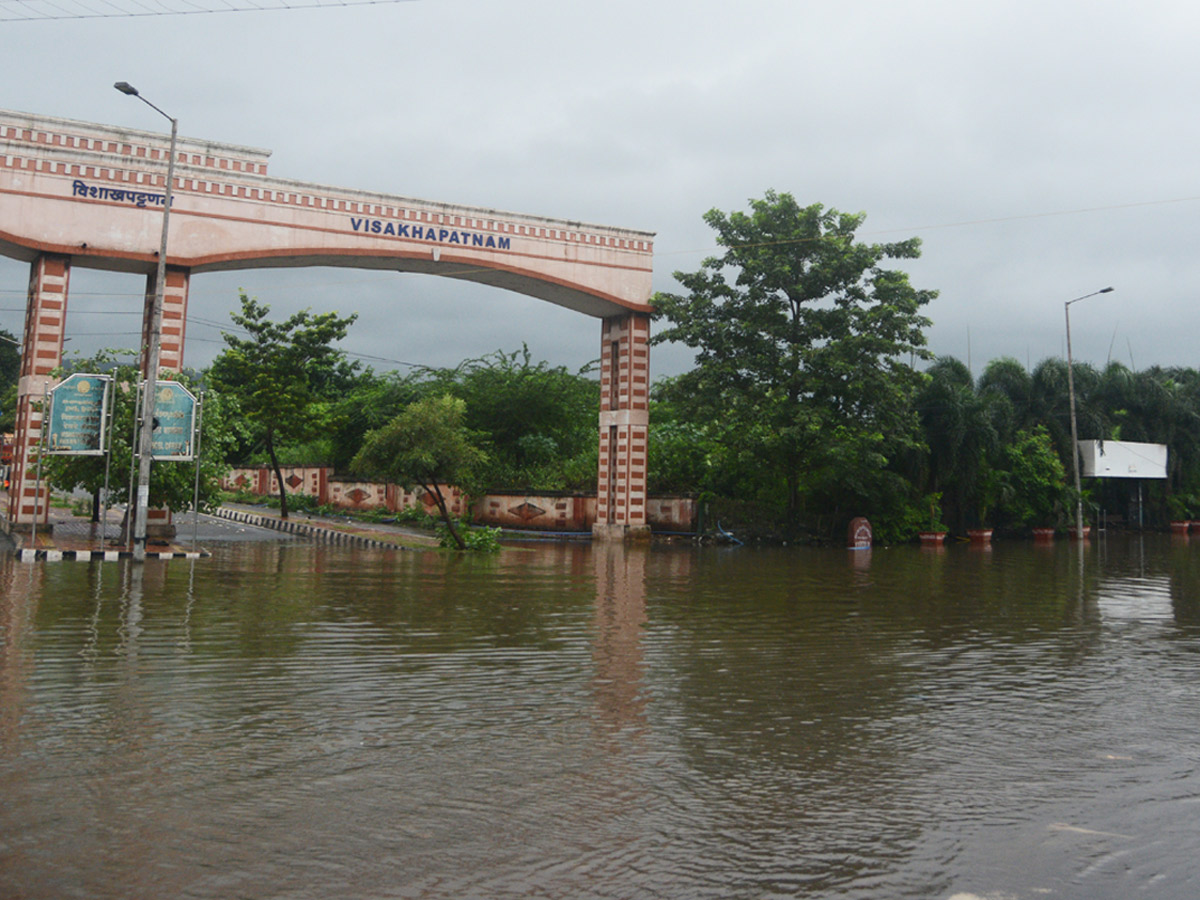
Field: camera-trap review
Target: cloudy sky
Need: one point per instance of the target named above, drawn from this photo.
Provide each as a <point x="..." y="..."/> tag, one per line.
<point x="1041" y="150"/>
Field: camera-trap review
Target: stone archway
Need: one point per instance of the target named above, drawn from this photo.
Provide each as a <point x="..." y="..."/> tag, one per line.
<point x="83" y="194"/>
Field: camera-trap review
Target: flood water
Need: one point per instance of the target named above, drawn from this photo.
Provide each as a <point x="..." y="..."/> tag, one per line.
<point x="566" y="721"/>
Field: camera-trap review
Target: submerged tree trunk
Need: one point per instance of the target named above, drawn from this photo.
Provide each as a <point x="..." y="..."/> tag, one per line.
<point x="283" y="509"/>
<point x="446" y="517"/>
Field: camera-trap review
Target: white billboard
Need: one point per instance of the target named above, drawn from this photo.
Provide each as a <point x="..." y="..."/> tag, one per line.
<point x="1122" y="459"/>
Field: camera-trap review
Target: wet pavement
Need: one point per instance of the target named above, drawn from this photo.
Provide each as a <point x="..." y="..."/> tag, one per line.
<point x="71" y="536"/>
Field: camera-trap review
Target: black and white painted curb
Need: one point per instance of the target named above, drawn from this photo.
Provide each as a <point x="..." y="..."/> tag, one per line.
<point x="304" y="529"/>
<point x="103" y="555"/>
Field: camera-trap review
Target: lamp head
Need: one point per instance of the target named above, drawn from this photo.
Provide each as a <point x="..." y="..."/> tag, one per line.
<point x="1106" y="290"/>
<point x="126" y="88"/>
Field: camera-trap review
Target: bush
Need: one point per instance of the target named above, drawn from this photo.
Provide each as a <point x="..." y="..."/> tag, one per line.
<point x="479" y="540"/>
<point x="416" y="515"/>
<point x="243" y="496"/>
<point x="303" y="503"/>
<point x="905" y="521"/>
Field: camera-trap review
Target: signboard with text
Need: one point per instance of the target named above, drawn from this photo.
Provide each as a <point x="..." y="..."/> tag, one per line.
<point x="78" y="407"/>
<point x="174" y="422"/>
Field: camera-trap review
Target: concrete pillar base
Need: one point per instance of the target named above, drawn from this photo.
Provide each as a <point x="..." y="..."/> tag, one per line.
<point x="27" y="527"/>
<point x="620" y="533"/>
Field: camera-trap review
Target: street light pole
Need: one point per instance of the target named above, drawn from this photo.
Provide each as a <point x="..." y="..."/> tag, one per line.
<point x="1074" y="428"/>
<point x="154" y="351"/>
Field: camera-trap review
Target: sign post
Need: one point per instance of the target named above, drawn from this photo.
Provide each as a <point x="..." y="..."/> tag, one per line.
<point x="78" y="408"/>
<point x="174" y="427"/>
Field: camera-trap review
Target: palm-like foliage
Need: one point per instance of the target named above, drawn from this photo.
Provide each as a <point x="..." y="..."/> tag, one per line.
<point x="963" y="430"/>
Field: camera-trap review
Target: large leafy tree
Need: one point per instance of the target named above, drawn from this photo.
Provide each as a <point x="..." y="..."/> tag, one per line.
<point x="283" y="375"/>
<point x="372" y="401"/>
<point x="538" y="420"/>
<point x="804" y="341"/>
<point x="429" y="445"/>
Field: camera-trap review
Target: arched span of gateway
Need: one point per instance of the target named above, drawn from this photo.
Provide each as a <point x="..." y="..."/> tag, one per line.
<point x="84" y="194"/>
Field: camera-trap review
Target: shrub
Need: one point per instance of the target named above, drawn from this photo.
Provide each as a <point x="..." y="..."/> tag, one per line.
<point x="479" y="540"/>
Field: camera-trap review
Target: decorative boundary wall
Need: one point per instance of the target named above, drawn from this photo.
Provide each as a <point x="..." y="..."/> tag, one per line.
<point x="547" y="511"/>
<point x="316" y="482"/>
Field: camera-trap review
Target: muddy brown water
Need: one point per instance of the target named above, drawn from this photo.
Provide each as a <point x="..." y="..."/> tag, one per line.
<point x="568" y="721"/>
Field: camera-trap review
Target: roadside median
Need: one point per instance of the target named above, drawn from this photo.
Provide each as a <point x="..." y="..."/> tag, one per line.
<point x="328" y="530"/>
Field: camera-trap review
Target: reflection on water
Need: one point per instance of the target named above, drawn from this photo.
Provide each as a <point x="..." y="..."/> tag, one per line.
<point x="573" y="721"/>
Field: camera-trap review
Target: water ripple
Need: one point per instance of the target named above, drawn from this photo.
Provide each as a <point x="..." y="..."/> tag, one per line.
<point x="308" y="722"/>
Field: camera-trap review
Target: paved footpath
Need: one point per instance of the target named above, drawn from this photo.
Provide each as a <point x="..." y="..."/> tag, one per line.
<point x="73" y="537"/>
<point x="329" y="529"/>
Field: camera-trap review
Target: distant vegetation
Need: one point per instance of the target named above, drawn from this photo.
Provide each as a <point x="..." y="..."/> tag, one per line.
<point x="813" y="400"/>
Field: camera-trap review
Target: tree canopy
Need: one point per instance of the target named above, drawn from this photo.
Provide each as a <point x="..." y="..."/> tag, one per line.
<point x="537" y="422"/>
<point x="283" y="374"/>
<point x="10" y="369"/>
<point x="428" y="444"/>
<point x="804" y="341"/>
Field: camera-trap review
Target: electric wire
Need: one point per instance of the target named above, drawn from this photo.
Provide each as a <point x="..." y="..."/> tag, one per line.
<point x="42" y="10"/>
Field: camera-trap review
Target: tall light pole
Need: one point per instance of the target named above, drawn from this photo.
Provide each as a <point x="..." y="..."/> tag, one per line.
<point x="1074" y="429"/>
<point x="154" y="351"/>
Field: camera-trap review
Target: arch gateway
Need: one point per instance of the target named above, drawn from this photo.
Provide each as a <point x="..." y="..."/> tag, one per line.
<point x="83" y="194"/>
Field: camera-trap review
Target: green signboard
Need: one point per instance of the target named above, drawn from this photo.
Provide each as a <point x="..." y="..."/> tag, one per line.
<point x="174" y="422"/>
<point x="78" y="406"/>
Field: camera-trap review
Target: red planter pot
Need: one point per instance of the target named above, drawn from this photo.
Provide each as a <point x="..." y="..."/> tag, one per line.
<point x="1043" y="535"/>
<point x="932" y="537"/>
<point x="1180" y="527"/>
<point x="979" y="535"/>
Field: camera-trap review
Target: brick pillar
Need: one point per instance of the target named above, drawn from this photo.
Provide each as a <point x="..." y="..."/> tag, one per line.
<point x="170" y="359"/>
<point x="624" y="423"/>
<point x="45" y="320"/>
<point x="174" y="320"/>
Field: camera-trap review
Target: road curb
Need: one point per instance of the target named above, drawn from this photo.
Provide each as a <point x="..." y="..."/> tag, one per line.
<point x="104" y="555"/>
<point x="304" y="529"/>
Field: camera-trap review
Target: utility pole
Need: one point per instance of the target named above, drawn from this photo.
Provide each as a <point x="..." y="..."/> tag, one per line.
<point x="1074" y="428"/>
<point x="154" y="350"/>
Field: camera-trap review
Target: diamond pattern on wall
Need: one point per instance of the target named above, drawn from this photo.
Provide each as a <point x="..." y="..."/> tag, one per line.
<point x="527" y="511"/>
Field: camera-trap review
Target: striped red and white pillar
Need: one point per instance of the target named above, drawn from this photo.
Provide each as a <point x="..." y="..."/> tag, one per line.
<point x="624" y="424"/>
<point x="45" y="323"/>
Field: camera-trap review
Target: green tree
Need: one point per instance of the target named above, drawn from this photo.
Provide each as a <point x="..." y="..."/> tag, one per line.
<point x="807" y="350"/>
<point x="429" y="445"/>
<point x="538" y="421"/>
<point x="283" y="375"/>
<point x="10" y="369"/>
<point x="1035" y="482"/>
<point x="370" y="403"/>
<point x="963" y="431"/>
